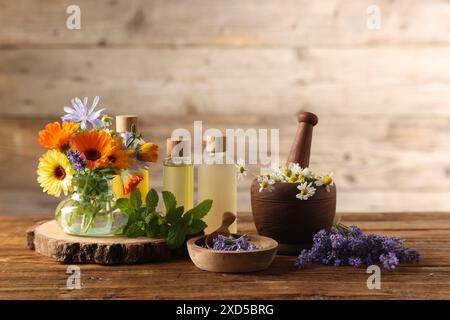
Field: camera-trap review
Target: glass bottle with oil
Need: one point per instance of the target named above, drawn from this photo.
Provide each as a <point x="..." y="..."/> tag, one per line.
<point x="217" y="180"/>
<point x="178" y="172"/>
<point x="124" y="124"/>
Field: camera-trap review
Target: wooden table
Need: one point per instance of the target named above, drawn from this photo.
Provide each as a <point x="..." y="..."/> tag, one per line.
<point x="26" y="275"/>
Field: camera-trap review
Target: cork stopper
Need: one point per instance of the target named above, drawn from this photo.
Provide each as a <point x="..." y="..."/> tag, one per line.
<point x="216" y="144"/>
<point x="126" y="123"/>
<point x="176" y="147"/>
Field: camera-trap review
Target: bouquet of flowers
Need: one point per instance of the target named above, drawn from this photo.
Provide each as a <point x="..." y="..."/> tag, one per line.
<point x="84" y="156"/>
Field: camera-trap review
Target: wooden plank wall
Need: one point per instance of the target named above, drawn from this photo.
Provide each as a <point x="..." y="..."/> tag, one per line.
<point x="382" y="96"/>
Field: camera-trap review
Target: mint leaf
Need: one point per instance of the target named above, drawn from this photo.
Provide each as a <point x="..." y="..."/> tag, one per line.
<point x="195" y="227"/>
<point x="187" y="219"/>
<point x="135" y="230"/>
<point x="149" y="216"/>
<point x="175" y="237"/>
<point x="173" y="216"/>
<point x="135" y="198"/>
<point x="169" y="200"/>
<point x="151" y="200"/>
<point x="201" y="209"/>
<point x="124" y="205"/>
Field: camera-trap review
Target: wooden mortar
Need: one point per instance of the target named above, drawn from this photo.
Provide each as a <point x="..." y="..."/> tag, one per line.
<point x="283" y="217"/>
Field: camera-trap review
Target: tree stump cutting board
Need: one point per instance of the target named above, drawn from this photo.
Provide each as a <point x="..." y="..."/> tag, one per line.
<point x="48" y="239"/>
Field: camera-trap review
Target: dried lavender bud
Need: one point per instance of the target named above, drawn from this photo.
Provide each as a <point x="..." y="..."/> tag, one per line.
<point x="349" y="246"/>
<point x="76" y="159"/>
<point x="230" y="243"/>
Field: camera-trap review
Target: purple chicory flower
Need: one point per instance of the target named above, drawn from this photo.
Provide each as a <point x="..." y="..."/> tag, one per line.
<point x="80" y="113"/>
<point x="76" y="159"/>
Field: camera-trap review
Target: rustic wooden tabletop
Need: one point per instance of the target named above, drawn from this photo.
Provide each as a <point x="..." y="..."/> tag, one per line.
<point x="26" y="275"/>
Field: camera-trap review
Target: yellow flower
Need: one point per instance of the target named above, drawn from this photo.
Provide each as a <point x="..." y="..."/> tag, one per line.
<point x="148" y="152"/>
<point x="55" y="173"/>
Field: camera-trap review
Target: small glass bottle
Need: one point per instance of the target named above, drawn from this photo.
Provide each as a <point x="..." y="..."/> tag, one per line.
<point x="129" y="123"/>
<point x="178" y="172"/>
<point x="218" y="182"/>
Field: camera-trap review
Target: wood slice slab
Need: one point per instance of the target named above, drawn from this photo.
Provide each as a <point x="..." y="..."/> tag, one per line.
<point x="48" y="239"/>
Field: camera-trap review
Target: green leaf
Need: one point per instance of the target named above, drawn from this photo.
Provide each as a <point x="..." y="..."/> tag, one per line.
<point x="124" y="205"/>
<point x="149" y="216"/>
<point x="173" y="216"/>
<point x="169" y="200"/>
<point x="201" y="209"/>
<point x="120" y="230"/>
<point x="137" y="229"/>
<point x="187" y="219"/>
<point x="135" y="198"/>
<point x="175" y="237"/>
<point x="195" y="227"/>
<point x="151" y="200"/>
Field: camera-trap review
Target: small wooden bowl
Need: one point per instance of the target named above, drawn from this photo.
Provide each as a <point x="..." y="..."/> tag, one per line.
<point x="233" y="261"/>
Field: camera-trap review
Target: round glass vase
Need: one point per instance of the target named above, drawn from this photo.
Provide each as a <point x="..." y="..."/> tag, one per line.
<point x="92" y="214"/>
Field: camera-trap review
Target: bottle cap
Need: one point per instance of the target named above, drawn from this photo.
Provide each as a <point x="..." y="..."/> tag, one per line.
<point x="216" y="144"/>
<point x="126" y="123"/>
<point x="177" y="147"/>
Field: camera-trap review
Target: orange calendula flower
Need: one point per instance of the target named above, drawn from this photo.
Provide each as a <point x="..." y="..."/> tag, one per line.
<point x="131" y="182"/>
<point x="95" y="146"/>
<point x="55" y="136"/>
<point x="120" y="157"/>
<point x="148" y="152"/>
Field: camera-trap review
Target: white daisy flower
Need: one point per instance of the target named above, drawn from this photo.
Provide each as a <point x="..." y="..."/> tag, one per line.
<point x="295" y="168"/>
<point x="306" y="191"/>
<point x="242" y="171"/>
<point x="277" y="169"/>
<point x="325" y="180"/>
<point x="265" y="183"/>
<point x="307" y="173"/>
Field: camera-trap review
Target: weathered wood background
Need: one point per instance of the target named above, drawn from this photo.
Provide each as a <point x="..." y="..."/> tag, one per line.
<point x="382" y="96"/>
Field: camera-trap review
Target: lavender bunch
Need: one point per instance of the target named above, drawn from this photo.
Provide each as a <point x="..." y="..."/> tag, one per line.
<point x="230" y="243"/>
<point x="349" y="246"/>
<point x="76" y="159"/>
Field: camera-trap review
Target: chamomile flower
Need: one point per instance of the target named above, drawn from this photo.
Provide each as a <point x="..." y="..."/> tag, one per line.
<point x="265" y="183"/>
<point x="306" y="191"/>
<point x="277" y="169"/>
<point x="242" y="171"/>
<point x="307" y="173"/>
<point x="326" y="181"/>
<point x="295" y="168"/>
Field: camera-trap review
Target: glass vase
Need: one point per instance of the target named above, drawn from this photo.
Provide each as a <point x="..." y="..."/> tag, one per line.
<point x="90" y="210"/>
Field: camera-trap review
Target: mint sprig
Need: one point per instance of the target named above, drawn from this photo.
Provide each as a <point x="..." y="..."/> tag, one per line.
<point x="174" y="225"/>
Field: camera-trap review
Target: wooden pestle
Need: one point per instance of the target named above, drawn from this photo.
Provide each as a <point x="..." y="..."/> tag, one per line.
<point x="301" y="146"/>
<point x="227" y="220"/>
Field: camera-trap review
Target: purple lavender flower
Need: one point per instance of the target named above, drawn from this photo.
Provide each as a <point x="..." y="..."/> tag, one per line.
<point x="355" y="262"/>
<point x="76" y="159"/>
<point x="230" y="243"/>
<point x="303" y="259"/>
<point x="80" y="113"/>
<point x="390" y="260"/>
<point x="349" y="246"/>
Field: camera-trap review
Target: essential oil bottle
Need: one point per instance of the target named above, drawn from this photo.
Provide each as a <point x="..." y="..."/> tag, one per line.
<point x="178" y="172"/>
<point x="129" y="123"/>
<point x="217" y="181"/>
